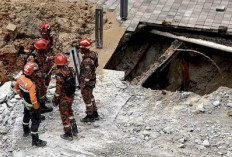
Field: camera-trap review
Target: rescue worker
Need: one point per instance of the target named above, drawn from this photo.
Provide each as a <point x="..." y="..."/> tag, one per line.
<point x="26" y="88"/>
<point x="45" y="32"/>
<point x="64" y="96"/>
<point x="88" y="67"/>
<point x="39" y="56"/>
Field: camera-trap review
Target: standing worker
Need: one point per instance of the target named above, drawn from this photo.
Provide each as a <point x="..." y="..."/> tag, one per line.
<point x="64" y="96"/>
<point x="41" y="46"/>
<point x="88" y="66"/>
<point x="45" y="32"/>
<point x="26" y="88"/>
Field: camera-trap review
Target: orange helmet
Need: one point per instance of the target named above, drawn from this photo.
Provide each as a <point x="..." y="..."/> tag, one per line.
<point x="85" y="43"/>
<point x="61" y="59"/>
<point x="29" y="68"/>
<point x="45" y="28"/>
<point x="41" y="44"/>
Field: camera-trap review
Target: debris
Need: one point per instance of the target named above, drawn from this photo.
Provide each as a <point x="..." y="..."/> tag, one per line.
<point x="11" y="27"/>
<point x="220" y="8"/>
<point x="206" y="143"/>
<point x="5" y="89"/>
<point x="200" y="107"/>
<point x="4" y="129"/>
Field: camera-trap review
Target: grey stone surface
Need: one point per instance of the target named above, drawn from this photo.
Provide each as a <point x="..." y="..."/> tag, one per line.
<point x="207" y="15"/>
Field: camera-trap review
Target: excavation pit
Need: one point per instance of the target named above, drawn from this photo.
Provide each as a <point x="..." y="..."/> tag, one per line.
<point x="162" y="63"/>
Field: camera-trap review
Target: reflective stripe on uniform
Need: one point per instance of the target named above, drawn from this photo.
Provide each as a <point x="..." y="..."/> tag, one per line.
<point x="27" y="91"/>
<point x="71" y="117"/>
<point x="34" y="102"/>
<point x="34" y="133"/>
<point x="27" y="104"/>
<point x="67" y="126"/>
<point x="87" y="79"/>
<point x="89" y="105"/>
<point x="57" y="95"/>
<point x="25" y="123"/>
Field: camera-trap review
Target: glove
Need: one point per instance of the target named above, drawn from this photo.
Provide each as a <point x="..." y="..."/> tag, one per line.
<point x="55" y="101"/>
<point x="37" y="113"/>
<point x="44" y="75"/>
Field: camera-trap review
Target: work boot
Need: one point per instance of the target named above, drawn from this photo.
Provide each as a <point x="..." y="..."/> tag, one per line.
<point x="37" y="142"/>
<point x="44" y="108"/>
<point x="42" y="117"/>
<point x="67" y="136"/>
<point x="74" y="130"/>
<point x="88" y="118"/>
<point x="26" y="130"/>
<point x="95" y="115"/>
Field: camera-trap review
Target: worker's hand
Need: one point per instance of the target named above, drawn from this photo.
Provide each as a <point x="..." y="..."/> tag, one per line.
<point x="75" y="43"/>
<point x="44" y="75"/>
<point x="37" y="113"/>
<point x="82" y="85"/>
<point x="20" y="94"/>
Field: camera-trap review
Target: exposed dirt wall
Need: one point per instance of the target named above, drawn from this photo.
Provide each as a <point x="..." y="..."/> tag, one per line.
<point x="69" y="21"/>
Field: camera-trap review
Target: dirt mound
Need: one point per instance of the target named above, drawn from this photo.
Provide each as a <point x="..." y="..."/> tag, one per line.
<point x="69" y="21"/>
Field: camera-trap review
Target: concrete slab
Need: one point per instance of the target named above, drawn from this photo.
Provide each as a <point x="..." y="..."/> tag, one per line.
<point x="181" y="13"/>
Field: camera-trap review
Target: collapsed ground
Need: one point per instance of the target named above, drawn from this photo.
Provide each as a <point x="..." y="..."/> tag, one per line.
<point x="135" y="121"/>
<point x="201" y="73"/>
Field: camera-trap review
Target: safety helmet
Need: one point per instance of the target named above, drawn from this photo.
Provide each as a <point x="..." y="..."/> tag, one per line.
<point x="85" y="43"/>
<point x="45" y="28"/>
<point x="61" y="59"/>
<point x="41" y="44"/>
<point x="30" y="68"/>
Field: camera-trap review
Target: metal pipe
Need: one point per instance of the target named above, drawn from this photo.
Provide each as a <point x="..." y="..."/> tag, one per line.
<point x="123" y="9"/>
<point x="195" y="41"/>
<point x="99" y="27"/>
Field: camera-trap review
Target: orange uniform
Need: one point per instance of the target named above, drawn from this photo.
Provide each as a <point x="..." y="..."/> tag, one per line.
<point x="27" y="90"/>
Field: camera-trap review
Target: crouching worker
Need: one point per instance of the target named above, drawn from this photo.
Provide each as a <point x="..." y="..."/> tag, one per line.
<point x="26" y="88"/>
<point x="64" y="96"/>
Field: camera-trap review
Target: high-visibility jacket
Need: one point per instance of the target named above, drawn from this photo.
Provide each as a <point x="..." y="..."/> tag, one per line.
<point x="27" y="90"/>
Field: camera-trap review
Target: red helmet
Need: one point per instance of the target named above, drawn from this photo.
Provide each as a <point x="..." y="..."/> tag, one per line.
<point x="45" y="28"/>
<point x="61" y="59"/>
<point x="41" y="44"/>
<point x="85" y="43"/>
<point x="29" y="68"/>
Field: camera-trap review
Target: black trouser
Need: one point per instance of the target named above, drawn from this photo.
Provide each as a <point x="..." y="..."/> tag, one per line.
<point x="30" y="115"/>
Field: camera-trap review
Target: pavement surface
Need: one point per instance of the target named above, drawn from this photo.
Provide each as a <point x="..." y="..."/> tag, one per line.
<point x="205" y="15"/>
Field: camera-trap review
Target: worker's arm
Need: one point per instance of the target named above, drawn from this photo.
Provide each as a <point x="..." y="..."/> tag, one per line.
<point x="59" y="83"/>
<point x="33" y="97"/>
<point x="17" y="88"/>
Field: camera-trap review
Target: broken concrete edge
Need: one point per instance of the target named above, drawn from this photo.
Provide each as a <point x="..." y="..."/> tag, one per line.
<point x="214" y="30"/>
<point x="7" y="91"/>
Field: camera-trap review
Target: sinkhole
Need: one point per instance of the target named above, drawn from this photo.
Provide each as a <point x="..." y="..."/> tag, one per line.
<point x="166" y="63"/>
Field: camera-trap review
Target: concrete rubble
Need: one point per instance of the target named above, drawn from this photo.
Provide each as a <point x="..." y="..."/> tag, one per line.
<point x="134" y="121"/>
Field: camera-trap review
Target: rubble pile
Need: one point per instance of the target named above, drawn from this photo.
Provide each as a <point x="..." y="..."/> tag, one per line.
<point x="8" y="100"/>
<point x="134" y="120"/>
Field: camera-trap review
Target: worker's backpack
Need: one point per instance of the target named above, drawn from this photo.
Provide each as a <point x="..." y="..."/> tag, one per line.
<point x="69" y="82"/>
